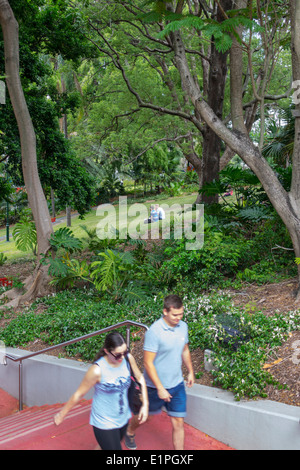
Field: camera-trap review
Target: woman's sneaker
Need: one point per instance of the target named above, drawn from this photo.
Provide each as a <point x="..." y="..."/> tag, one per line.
<point x="130" y="442"/>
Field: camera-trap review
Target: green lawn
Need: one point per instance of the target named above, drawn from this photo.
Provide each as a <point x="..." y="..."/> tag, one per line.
<point x="113" y="219"/>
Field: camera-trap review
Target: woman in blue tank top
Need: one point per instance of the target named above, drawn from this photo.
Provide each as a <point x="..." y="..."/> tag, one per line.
<point x="110" y="377"/>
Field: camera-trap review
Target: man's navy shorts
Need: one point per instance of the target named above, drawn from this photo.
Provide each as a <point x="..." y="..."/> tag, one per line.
<point x="176" y="407"/>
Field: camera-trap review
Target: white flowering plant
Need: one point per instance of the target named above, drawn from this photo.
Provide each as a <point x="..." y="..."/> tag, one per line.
<point x="238" y="369"/>
<point x="73" y="313"/>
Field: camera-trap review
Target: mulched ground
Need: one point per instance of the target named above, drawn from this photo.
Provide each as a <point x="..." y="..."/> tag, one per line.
<point x="267" y="298"/>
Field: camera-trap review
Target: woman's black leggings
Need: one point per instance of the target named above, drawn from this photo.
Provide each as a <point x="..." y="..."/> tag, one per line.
<point x="110" y="439"/>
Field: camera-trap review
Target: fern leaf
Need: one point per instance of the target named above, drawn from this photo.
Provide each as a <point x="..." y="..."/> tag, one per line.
<point x="185" y="22"/>
<point x="254" y="214"/>
<point x="223" y="43"/>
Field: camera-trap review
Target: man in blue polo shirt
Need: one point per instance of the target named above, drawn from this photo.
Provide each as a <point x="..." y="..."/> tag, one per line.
<point x="165" y="347"/>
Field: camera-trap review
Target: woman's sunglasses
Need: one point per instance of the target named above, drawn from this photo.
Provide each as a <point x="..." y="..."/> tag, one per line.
<point x="119" y="355"/>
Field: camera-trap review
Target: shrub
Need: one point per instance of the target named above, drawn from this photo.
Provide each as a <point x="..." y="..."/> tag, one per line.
<point x="239" y="371"/>
<point x="3" y="259"/>
<point x="72" y="314"/>
<point x="221" y="256"/>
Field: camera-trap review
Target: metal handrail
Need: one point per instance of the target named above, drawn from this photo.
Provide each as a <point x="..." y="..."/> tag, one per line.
<point x="66" y="343"/>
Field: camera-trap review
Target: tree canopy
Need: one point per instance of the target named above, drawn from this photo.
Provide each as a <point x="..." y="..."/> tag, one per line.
<point x="134" y="85"/>
<point x="54" y="32"/>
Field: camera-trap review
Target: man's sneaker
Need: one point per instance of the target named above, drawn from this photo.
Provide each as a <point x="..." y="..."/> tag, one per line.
<point x="130" y="442"/>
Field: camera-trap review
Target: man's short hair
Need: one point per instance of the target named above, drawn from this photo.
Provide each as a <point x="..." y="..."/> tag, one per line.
<point x="172" y="301"/>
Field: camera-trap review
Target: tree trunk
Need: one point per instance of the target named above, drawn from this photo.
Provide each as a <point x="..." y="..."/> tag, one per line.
<point x="295" y="186"/>
<point x="53" y="210"/>
<point x="36" y="198"/>
<point x="197" y="162"/>
<point x="286" y="204"/>
<point x="69" y="216"/>
<point x="216" y="90"/>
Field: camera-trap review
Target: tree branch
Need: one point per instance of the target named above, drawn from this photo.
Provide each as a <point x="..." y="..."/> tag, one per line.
<point x="164" y="139"/>
<point x="114" y="55"/>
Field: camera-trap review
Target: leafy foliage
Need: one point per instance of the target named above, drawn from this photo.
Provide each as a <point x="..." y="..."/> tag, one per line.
<point x="221" y="257"/>
<point x="247" y="205"/>
<point x="279" y="144"/>
<point x="66" y="272"/>
<point x="120" y="275"/>
<point x="240" y="234"/>
<point x="24" y="234"/>
<point x="255" y="214"/>
<point x="56" y="30"/>
<point x="109" y="269"/>
<point x="5" y="189"/>
<point x="242" y="182"/>
<point x="95" y="244"/>
<point x="73" y="313"/>
<point x="3" y="259"/>
<point x="221" y="32"/>
<point x="64" y="238"/>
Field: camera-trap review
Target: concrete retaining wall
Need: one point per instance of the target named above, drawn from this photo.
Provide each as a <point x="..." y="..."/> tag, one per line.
<point x="245" y="425"/>
<point x="46" y="379"/>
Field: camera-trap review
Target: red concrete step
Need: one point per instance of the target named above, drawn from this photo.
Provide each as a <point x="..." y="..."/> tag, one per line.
<point x="34" y="429"/>
<point x="8" y="404"/>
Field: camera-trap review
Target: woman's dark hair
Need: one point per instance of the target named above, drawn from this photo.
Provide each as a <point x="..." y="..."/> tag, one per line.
<point x="112" y="341"/>
<point x="172" y="301"/>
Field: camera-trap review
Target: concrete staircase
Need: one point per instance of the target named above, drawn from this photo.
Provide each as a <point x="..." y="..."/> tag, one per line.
<point x="33" y="429"/>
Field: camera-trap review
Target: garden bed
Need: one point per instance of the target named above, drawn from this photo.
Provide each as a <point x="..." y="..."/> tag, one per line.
<point x="270" y="298"/>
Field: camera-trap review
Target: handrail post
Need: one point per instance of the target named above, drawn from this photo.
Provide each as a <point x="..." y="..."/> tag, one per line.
<point x="128" y="337"/>
<point x="21" y="386"/>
